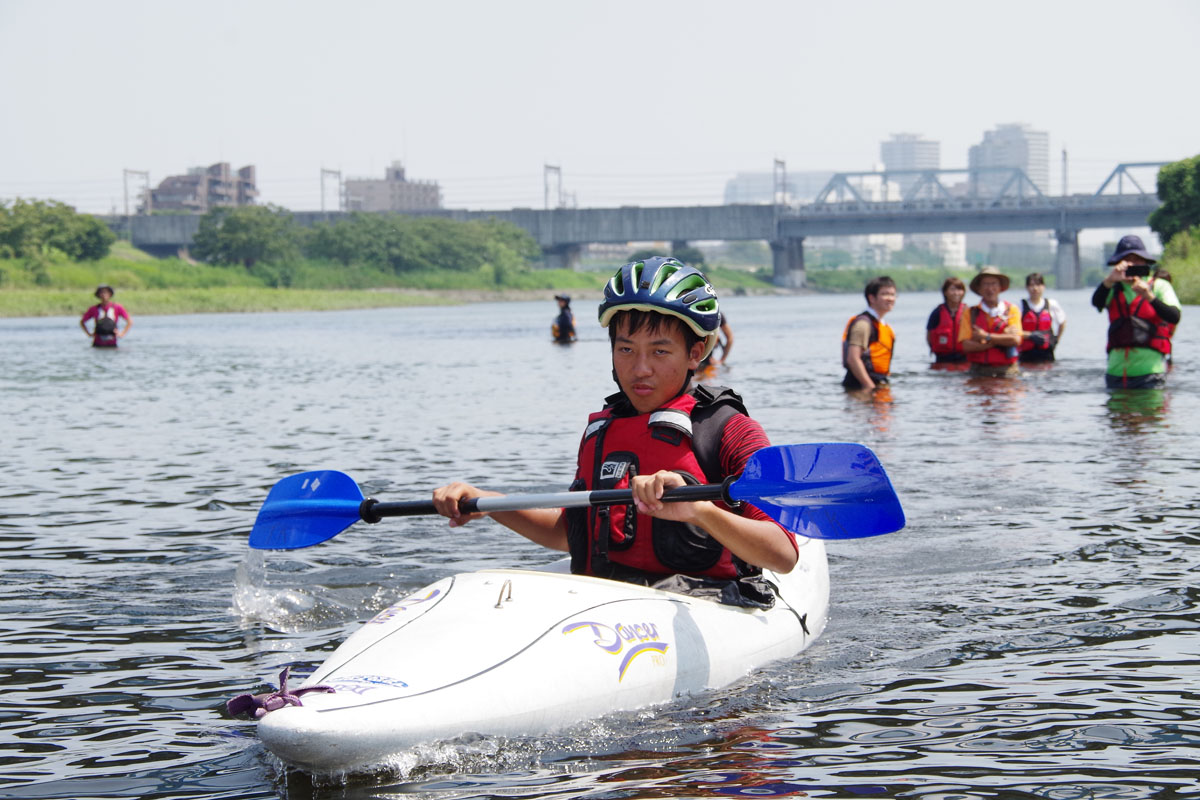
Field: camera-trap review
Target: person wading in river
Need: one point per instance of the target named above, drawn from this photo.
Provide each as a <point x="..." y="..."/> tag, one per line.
<point x="941" y="330"/>
<point x="1142" y="313"/>
<point x="563" y="327"/>
<point x="106" y="314"/>
<point x="991" y="331"/>
<point x="1042" y="322"/>
<point x="659" y="431"/>
<point x="868" y="341"/>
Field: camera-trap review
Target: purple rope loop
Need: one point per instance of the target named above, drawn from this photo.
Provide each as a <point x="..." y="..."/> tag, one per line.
<point x="261" y="704"/>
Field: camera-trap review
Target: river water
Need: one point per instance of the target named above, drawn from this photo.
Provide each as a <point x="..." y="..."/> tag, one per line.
<point x="1031" y="633"/>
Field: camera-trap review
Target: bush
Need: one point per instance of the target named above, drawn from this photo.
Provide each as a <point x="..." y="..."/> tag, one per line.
<point x="1181" y="257"/>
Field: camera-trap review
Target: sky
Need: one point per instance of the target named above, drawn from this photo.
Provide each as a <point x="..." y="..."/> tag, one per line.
<point x="654" y="102"/>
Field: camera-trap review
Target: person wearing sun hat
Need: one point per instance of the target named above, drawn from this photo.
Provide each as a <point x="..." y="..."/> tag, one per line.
<point x="1142" y="313"/>
<point x="991" y="331"/>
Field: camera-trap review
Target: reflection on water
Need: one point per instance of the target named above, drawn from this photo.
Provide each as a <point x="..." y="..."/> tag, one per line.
<point x="1136" y="411"/>
<point x="1031" y="633"/>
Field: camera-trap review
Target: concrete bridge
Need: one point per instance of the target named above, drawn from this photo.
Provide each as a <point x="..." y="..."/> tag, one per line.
<point x="927" y="207"/>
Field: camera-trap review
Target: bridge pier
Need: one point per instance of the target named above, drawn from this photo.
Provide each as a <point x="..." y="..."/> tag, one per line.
<point x="1067" y="272"/>
<point x="788" y="257"/>
<point x="563" y="256"/>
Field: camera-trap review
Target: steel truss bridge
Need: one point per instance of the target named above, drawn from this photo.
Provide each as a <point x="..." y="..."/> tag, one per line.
<point x="991" y="199"/>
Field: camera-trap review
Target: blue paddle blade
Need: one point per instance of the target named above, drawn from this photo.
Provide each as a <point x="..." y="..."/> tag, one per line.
<point x="823" y="491"/>
<point x="306" y="509"/>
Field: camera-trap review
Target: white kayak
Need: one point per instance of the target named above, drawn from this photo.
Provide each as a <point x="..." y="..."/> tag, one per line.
<point x="522" y="652"/>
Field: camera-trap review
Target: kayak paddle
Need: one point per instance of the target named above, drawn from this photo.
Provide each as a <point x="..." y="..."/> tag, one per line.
<point x="821" y="491"/>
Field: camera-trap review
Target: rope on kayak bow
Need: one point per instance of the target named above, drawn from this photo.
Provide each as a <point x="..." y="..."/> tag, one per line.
<point x="259" y="705"/>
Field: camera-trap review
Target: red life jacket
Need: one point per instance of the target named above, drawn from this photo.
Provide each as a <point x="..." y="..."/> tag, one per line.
<point x="995" y="356"/>
<point x="1136" y="324"/>
<point x="683" y="436"/>
<point x="1037" y="321"/>
<point x="943" y="338"/>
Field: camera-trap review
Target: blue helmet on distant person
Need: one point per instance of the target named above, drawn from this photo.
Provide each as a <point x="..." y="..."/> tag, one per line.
<point x="667" y="286"/>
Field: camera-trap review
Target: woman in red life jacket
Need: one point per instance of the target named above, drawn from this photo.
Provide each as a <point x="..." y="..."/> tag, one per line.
<point x="991" y="331"/>
<point x="1042" y="322"/>
<point x="941" y="331"/>
<point x="658" y="432"/>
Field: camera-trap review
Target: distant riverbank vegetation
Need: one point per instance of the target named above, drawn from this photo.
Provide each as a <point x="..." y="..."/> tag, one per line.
<point x="258" y="258"/>
<point x="1177" y="223"/>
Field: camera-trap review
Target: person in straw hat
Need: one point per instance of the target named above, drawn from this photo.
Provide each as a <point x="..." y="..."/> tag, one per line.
<point x="991" y="331"/>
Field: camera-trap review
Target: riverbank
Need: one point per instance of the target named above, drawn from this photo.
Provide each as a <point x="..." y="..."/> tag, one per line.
<point x="228" y="299"/>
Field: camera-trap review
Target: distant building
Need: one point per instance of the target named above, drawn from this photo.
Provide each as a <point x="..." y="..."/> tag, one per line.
<point x="204" y="188"/>
<point x="394" y="193"/>
<point x="908" y="151"/>
<point x="1011" y="146"/>
<point x="1014" y="145"/>
<point x="758" y="188"/>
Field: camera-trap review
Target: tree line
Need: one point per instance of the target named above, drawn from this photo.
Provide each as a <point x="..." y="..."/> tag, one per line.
<point x="1177" y="223"/>
<point x="389" y="242"/>
<point x="35" y="230"/>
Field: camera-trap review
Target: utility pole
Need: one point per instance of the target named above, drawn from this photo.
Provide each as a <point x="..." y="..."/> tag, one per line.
<point x="337" y="175"/>
<point x="1064" y="172"/>
<point x="547" y="171"/>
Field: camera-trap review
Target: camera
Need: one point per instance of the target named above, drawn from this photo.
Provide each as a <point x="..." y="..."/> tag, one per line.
<point x="1137" y="271"/>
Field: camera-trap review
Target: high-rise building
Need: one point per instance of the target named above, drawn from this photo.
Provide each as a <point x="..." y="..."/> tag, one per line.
<point x="204" y="188"/>
<point x="1013" y="145"/>
<point x="394" y="193"/>
<point x="908" y="151"/>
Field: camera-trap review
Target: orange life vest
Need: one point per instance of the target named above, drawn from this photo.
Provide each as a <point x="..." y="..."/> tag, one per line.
<point x="877" y="358"/>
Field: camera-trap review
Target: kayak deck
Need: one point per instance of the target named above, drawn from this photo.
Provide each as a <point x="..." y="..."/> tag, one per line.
<point x="517" y="652"/>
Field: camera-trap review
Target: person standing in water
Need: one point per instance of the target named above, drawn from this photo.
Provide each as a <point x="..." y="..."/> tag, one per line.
<point x="563" y="327"/>
<point x="941" y="331"/>
<point x="1042" y="322"/>
<point x="106" y="315"/>
<point x="725" y="344"/>
<point x="991" y="331"/>
<point x="1142" y="313"/>
<point x="868" y="341"/>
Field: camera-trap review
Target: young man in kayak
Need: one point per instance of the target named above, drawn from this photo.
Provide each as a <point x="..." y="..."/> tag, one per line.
<point x="106" y="314"/>
<point x="659" y="431"/>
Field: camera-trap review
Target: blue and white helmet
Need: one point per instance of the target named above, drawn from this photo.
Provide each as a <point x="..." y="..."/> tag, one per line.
<point x="666" y="286"/>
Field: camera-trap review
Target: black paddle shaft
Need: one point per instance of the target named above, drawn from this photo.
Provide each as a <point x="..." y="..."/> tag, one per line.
<point x="372" y="510"/>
